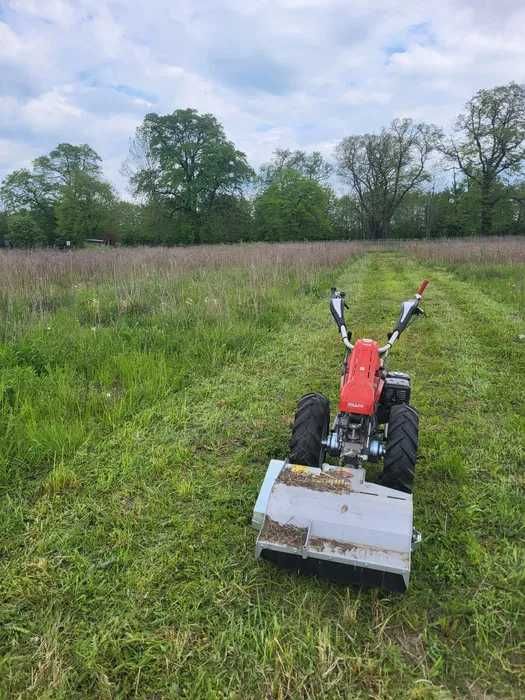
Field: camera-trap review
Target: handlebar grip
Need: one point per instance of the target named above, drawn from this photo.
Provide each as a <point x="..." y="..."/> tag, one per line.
<point x="422" y="286"/>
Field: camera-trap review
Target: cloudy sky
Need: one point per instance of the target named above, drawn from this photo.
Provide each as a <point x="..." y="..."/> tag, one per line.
<point x="276" y="73"/>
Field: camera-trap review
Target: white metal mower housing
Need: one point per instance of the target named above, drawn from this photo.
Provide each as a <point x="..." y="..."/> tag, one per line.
<point x="332" y="522"/>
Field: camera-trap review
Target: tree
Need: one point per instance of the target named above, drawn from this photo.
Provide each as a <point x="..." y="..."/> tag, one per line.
<point x="382" y="168"/>
<point x="310" y="165"/>
<point x="25" y="191"/>
<point x="63" y="193"/>
<point x="23" y="231"/>
<point x="229" y="220"/>
<point x="346" y="217"/>
<point x="130" y="224"/>
<point x="185" y="162"/>
<point x="293" y="207"/>
<point x="490" y="142"/>
<point x="84" y="209"/>
<point x="412" y="218"/>
<point x="61" y="167"/>
<point x="517" y="201"/>
<point x="3" y="228"/>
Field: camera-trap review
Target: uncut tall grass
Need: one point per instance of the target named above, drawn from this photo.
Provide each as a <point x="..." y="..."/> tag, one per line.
<point x="89" y="338"/>
<point x="492" y="251"/>
<point x="34" y="283"/>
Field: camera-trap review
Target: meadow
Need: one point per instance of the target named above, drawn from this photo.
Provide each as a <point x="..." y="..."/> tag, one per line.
<point x="142" y="393"/>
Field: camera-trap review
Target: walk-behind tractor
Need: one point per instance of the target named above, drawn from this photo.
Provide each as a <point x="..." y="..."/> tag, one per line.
<point x="326" y="519"/>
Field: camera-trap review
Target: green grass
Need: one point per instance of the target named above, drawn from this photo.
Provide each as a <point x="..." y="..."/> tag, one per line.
<point x="505" y="283"/>
<point x="137" y="422"/>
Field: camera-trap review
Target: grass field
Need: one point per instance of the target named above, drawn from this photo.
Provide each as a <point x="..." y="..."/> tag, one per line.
<point x="142" y="394"/>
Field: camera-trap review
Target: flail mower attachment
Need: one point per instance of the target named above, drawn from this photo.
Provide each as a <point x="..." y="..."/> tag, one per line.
<point x="326" y="519"/>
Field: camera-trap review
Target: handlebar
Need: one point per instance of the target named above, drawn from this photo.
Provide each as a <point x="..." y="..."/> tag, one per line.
<point x="337" y="307"/>
<point x="408" y="309"/>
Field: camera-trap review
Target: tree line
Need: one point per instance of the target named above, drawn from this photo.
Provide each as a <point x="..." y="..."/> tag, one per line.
<point x="190" y="184"/>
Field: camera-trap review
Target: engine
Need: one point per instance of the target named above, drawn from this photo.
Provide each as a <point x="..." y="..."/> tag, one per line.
<point x="396" y="390"/>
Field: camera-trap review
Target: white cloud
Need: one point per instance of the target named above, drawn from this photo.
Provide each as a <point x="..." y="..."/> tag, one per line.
<point x="10" y="44"/>
<point x="18" y="154"/>
<point x="296" y="73"/>
<point x="52" y="111"/>
<point x="60" y="12"/>
<point x="363" y="96"/>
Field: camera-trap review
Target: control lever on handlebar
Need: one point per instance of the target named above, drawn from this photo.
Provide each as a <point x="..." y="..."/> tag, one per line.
<point x="422" y="287"/>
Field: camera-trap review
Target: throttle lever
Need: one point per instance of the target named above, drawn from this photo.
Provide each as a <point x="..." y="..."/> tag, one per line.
<point x="422" y="287"/>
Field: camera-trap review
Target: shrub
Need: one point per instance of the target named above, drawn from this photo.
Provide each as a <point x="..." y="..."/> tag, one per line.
<point x="24" y="232"/>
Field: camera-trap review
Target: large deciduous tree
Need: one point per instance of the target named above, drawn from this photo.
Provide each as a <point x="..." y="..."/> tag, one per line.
<point x="25" y="191"/>
<point x="63" y="164"/>
<point x="64" y="194"/>
<point x="310" y="165"/>
<point x="490" y="143"/>
<point x="184" y="162"/>
<point x="84" y="208"/>
<point x="382" y="168"/>
<point x="346" y="217"/>
<point x="293" y="207"/>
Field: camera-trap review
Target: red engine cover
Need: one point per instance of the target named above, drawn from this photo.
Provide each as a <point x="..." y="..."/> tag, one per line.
<point x="362" y="383"/>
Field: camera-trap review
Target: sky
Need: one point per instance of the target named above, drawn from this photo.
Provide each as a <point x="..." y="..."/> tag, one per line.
<point x="276" y="73"/>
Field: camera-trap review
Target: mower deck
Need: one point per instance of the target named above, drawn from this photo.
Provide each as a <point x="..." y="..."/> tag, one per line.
<point x="332" y="522"/>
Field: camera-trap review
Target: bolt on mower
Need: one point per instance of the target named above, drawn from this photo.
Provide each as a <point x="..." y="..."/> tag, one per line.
<point x="326" y="519"/>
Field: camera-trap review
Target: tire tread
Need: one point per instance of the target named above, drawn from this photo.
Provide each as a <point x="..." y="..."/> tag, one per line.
<point x="401" y="448"/>
<point x="310" y="426"/>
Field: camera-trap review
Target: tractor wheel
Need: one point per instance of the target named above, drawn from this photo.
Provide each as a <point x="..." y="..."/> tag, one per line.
<point x="311" y="425"/>
<point x="401" y="448"/>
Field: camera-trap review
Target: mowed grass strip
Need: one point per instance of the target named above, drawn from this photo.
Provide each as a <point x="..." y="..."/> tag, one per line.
<point x="130" y="571"/>
<point x="468" y="386"/>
